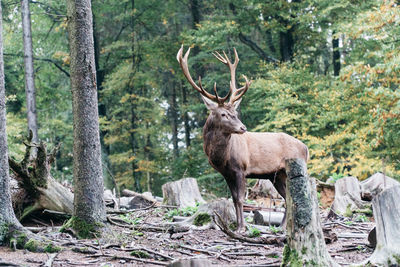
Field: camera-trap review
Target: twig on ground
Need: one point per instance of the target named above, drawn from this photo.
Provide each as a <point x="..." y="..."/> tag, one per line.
<point x="129" y="258"/>
<point x="49" y="262"/>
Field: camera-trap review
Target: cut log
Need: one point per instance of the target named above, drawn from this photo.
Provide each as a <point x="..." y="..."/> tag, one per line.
<point x="136" y="200"/>
<point x="182" y="193"/>
<point x="376" y="184"/>
<point x="305" y="240"/>
<point x="387" y="217"/>
<point x="348" y="196"/>
<point x="268" y="217"/>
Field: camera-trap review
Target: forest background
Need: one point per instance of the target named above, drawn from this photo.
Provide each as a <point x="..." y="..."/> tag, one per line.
<point x="326" y="72"/>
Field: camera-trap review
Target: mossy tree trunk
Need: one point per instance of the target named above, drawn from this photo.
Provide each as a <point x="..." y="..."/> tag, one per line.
<point x="305" y="240"/>
<point x="9" y="225"/>
<point x="387" y="217"/>
<point x="89" y="205"/>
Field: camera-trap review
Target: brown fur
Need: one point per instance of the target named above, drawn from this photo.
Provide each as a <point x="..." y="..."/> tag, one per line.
<point x="238" y="156"/>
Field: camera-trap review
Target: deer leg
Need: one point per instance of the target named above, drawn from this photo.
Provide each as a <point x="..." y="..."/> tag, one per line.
<point x="238" y="190"/>
<point x="280" y="186"/>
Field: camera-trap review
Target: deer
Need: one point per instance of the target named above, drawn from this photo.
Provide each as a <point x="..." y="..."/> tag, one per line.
<point x="233" y="151"/>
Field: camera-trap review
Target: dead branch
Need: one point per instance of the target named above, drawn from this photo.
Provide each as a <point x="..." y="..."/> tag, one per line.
<point x="258" y="240"/>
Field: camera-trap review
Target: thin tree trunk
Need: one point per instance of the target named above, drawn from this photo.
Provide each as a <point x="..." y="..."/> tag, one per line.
<point x="335" y="56"/>
<point x="88" y="177"/>
<point x="29" y="72"/>
<point x="136" y="175"/>
<point x="286" y="45"/>
<point x="186" y="119"/>
<point x="7" y="216"/>
<point x="174" y="119"/>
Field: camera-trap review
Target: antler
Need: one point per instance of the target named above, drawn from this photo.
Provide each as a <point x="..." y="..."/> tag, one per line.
<point x="236" y="93"/>
<point x="183" y="62"/>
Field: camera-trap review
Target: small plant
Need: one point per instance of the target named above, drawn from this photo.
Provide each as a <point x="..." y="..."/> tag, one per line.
<point x="253" y="231"/>
<point x="275" y="229"/>
<point x="349" y="223"/>
<point x="129" y="219"/>
<point x="188" y="211"/>
<point x="249" y="219"/>
<point x="361" y="218"/>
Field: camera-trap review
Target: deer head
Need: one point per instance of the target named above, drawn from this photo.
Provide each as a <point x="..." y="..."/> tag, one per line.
<point x="223" y="114"/>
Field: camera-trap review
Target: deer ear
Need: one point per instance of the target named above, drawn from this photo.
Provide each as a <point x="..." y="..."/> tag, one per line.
<point x="211" y="105"/>
<point x="237" y="104"/>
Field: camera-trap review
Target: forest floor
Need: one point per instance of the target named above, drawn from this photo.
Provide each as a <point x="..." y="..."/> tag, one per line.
<point x="125" y="246"/>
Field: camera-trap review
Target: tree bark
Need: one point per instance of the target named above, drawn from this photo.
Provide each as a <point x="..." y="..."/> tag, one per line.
<point x="136" y="175"/>
<point x="174" y="119"/>
<point x="335" y="56"/>
<point x="29" y="72"/>
<point x="7" y="216"/>
<point x="387" y="217"/>
<point x="305" y="239"/>
<point x="88" y="177"/>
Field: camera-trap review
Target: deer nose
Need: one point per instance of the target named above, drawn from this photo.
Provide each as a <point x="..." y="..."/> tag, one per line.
<point x="243" y="128"/>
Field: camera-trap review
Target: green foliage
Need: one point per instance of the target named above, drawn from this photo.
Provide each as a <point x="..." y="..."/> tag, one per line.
<point x="130" y="218"/>
<point x="187" y="212"/>
<point x="253" y="231"/>
<point x="349" y="122"/>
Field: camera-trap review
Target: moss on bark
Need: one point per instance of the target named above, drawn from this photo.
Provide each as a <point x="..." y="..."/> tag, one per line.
<point x="83" y="229"/>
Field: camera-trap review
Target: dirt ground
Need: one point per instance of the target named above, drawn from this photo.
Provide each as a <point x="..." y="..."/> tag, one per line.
<point x="123" y="246"/>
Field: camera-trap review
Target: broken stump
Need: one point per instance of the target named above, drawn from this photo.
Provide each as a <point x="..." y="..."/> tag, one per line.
<point x="305" y="240"/>
<point x="387" y="217"/>
<point x="376" y="184"/>
<point x="348" y="196"/>
<point x="182" y="193"/>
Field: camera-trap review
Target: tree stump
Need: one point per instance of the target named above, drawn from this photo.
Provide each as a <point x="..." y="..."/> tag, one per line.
<point x="348" y="196"/>
<point x="182" y="193"/>
<point x="387" y="217"/>
<point x="376" y="184"/>
<point x="305" y="240"/>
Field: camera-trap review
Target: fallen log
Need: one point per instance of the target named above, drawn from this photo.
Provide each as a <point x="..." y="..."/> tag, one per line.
<point x="36" y="185"/>
<point x="305" y="240"/>
<point x="268" y="217"/>
<point x="387" y="217"/>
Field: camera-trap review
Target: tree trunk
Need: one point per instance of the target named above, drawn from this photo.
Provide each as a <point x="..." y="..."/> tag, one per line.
<point x="88" y="177"/>
<point x="7" y="216"/>
<point x="173" y="111"/>
<point x="387" y="218"/>
<point x="286" y="45"/>
<point x="135" y="174"/>
<point x="29" y="72"/>
<point x="335" y="56"/>
<point x="305" y="239"/>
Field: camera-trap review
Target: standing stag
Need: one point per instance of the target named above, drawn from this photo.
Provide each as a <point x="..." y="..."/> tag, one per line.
<point x="234" y="152"/>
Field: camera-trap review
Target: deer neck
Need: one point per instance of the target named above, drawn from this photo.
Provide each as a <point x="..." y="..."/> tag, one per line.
<point x="216" y="144"/>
